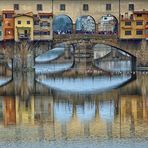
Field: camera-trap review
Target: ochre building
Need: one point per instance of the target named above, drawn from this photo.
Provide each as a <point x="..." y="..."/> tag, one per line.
<point x="134" y="26"/>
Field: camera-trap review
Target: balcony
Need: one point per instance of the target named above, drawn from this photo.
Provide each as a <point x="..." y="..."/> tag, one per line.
<point x="23" y="36"/>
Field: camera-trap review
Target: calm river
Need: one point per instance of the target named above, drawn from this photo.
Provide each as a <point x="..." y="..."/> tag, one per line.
<point x="74" y="112"/>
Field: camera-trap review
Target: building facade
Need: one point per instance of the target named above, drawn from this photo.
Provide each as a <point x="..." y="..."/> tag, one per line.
<point x="1" y="28"/>
<point x="134" y="26"/>
<point x="82" y="16"/>
<point x="24" y="26"/>
<point x="8" y="24"/>
<point x="43" y="26"/>
<point x="75" y="9"/>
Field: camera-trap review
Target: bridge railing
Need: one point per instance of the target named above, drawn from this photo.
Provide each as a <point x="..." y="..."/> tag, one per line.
<point x="63" y="37"/>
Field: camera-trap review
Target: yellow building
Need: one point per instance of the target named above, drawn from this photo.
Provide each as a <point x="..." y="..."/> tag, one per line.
<point x="24" y="26"/>
<point x="133" y="26"/>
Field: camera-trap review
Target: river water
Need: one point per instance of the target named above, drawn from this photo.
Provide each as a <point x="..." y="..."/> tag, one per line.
<point x="79" y="108"/>
<point x="34" y="114"/>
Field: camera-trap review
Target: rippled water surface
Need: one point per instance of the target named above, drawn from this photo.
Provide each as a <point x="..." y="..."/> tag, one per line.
<point x="36" y="115"/>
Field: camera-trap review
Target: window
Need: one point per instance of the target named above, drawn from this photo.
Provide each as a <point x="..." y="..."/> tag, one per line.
<point x="39" y="7"/>
<point x="19" y="22"/>
<point x="85" y="7"/>
<point x="36" y="32"/>
<point x="139" y="15"/>
<point x="139" y="32"/>
<point x="128" y="32"/>
<point x="8" y="32"/>
<point x="9" y="24"/>
<point x="131" y="7"/>
<point x="128" y="23"/>
<point x="36" y="22"/>
<point x="16" y="6"/>
<point x="44" y="24"/>
<point x="62" y="7"/>
<point x="45" y="33"/>
<point x="35" y="15"/>
<point x="108" y="6"/>
<point x="44" y="16"/>
<point x="146" y="32"/>
<point x="139" y="23"/>
<point x="8" y="15"/>
<point x="28" y="22"/>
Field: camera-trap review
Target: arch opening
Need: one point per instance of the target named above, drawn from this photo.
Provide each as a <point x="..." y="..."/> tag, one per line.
<point x="113" y="59"/>
<point x="85" y="24"/>
<point x="62" y="24"/>
<point x="108" y="24"/>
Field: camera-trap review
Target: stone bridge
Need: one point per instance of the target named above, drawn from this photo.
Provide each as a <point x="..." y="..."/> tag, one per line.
<point x="137" y="49"/>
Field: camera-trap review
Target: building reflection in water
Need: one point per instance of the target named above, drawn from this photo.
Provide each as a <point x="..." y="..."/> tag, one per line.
<point x="9" y="111"/>
<point x="121" y="112"/>
<point x="72" y="119"/>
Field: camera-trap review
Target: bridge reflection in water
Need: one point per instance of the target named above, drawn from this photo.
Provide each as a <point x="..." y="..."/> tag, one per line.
<point x="54" y="115"/>
<point x="72" y="107"/>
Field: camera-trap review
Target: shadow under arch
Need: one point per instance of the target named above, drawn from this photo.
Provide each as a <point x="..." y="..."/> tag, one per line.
<point x="62" y="24"/>
<point x="108" y="24"/>
<point x="109" y="48"/>
<point x="6" y="82"/>
<point x="85" y="24"/>
<point x="120" y="49"/>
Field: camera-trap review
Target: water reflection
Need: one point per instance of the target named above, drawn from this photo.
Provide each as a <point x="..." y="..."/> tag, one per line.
<point x="5" y="74"/>
<point x="112" y="59"/>
<point x="85" y="84"/>
<point x="120" y="113"/>
<point x="34" y="114"/>
<point x="50" y="55"/>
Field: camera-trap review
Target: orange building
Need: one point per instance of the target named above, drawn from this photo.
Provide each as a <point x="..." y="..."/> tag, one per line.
<point x="9" y="111"/>
<point x="8" y="24"/>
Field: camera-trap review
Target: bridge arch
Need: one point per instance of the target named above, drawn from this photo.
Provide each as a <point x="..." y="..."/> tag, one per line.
<point x="93" y="40"/>
<point x="108" y="24"/>
<point x="85" y="24"/>
<point x="62" y="24"/>
<point x="116" y="47"/>
<point x="113" y="59"/>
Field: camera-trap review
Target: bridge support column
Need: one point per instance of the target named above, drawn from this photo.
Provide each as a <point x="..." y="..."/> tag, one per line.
<point x="96" y="29"/>
<point x="23" y="56"/>
<point x="67" y="52"/>
<point x="74" y="28"/>
<point x="133" y="64"/>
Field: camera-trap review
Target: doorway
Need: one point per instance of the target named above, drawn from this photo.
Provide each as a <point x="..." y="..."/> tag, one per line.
<point x="25" y="33"/>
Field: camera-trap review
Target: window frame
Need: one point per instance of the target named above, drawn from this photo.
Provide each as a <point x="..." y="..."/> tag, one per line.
<point x="85" y="7"/>
<point x="62" y="7"/>
<point x="28" y="22"/>
<point x="139" y="23"/>
<point x="16" y="7"/>
<point x="128" y="34"/>
<point x="39" y="7"/>
<point x="131" y="7"/>
<point x="128" y="23"/>
<point x="141" y="32"/>
<point x="108" y="7"/>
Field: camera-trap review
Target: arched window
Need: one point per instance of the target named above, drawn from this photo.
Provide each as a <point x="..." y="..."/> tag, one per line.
<point x="62" y="24"/>
<point x="108" y="24"/>
<point x="85" y="24"/>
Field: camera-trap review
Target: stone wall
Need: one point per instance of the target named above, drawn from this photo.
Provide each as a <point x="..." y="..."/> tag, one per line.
<point x="74" y="8"/>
